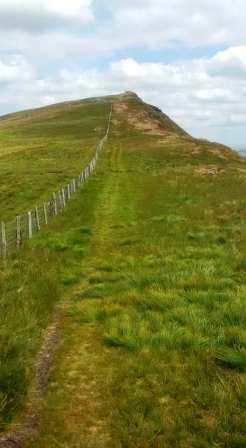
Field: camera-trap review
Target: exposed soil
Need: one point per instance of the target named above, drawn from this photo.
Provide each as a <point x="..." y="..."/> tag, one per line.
<point x="139" y="120"/>
<point x="208" y="170"/>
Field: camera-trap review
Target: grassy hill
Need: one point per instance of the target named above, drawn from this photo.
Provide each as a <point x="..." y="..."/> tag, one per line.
<point x="44" y="148"/>
<point x="147" y="267"/>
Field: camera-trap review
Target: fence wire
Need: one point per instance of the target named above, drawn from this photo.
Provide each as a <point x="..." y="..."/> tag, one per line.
<point x="14" y="233"/>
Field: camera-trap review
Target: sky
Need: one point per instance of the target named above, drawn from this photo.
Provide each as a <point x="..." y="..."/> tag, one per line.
<point x="186" y="56"/>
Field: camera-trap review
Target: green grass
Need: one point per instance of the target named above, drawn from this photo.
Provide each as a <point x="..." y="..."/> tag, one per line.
<point x="43" y="150"/>
<point x="148" y="264"/>
<point x="33" y="282"/>
<point x="234" y="357"/>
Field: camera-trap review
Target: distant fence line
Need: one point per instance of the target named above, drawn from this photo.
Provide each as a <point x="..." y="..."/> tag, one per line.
<point x="23" y="227"/>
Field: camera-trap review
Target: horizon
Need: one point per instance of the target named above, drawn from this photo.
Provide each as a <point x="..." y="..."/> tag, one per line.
<point x="187" y="59"/>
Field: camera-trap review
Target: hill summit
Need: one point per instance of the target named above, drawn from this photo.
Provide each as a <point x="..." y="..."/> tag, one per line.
<point x="151" y="120"/>
<point x="130" y="109"/>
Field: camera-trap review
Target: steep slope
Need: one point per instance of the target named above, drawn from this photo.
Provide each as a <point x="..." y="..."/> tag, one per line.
<point x="147" y="266"/>
<point x="145" y="117"/>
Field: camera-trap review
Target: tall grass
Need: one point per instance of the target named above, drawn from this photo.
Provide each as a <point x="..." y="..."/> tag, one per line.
<point x="28" y="294"/>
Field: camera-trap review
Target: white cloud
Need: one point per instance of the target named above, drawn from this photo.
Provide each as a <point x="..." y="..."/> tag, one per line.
<point x="15" y="69"/>
<point x="38" y="15"/>
<point x="56" y="25"/>
<point x="161" y="23"/>
<point x="229" y="63"/>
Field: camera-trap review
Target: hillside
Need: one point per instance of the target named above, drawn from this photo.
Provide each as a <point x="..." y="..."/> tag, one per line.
<point x="142" y="278"/>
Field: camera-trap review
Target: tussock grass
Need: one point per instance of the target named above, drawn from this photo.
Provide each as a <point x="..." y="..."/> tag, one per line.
<point x="233" y="357"/>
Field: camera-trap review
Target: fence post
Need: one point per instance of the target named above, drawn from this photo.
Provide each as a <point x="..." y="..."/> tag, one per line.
<point x="18" y="231"/>
<point x="4" y="240"/>
<point x="55" y="204"/>
<point x="29" y="221"/>
<point x="37" y="219"/>
<point x="74" y="185"/>
<point x="68" y="192"/>
<point x="63" y="198"/>
<point x="60" y="198"/>
<point x="45" y="214"/>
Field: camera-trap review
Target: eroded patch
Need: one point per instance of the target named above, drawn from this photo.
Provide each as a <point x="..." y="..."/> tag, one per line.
<point x="139" y="120"/>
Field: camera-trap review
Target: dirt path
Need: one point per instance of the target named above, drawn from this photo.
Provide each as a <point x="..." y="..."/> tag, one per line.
<point x="76" y="412"/>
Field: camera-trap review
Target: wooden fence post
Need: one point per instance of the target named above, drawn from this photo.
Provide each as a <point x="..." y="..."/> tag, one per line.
<point x="60" y="198"/>
<point x="37" y="219"/>
<point x="3" y="240"/>
<point x="74" y="185"/>
<point x="63" y="198"/>
<point x="45" y="214"/>
<point x="18" y="232"/>
<point x="68" y="192"/>
<point x="55" y="204"/>
<point x="29" y="224"/>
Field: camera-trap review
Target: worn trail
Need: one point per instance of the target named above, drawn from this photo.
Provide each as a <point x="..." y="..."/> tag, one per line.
<point x="77" y="409"/>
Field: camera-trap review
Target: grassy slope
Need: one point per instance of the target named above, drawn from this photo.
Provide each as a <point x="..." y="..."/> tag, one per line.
<point x="150" y="259"/>
<point x="42" y="149"/>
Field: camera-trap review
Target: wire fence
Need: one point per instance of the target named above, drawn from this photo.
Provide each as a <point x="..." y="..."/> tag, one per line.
<point x="14" y="233"/>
